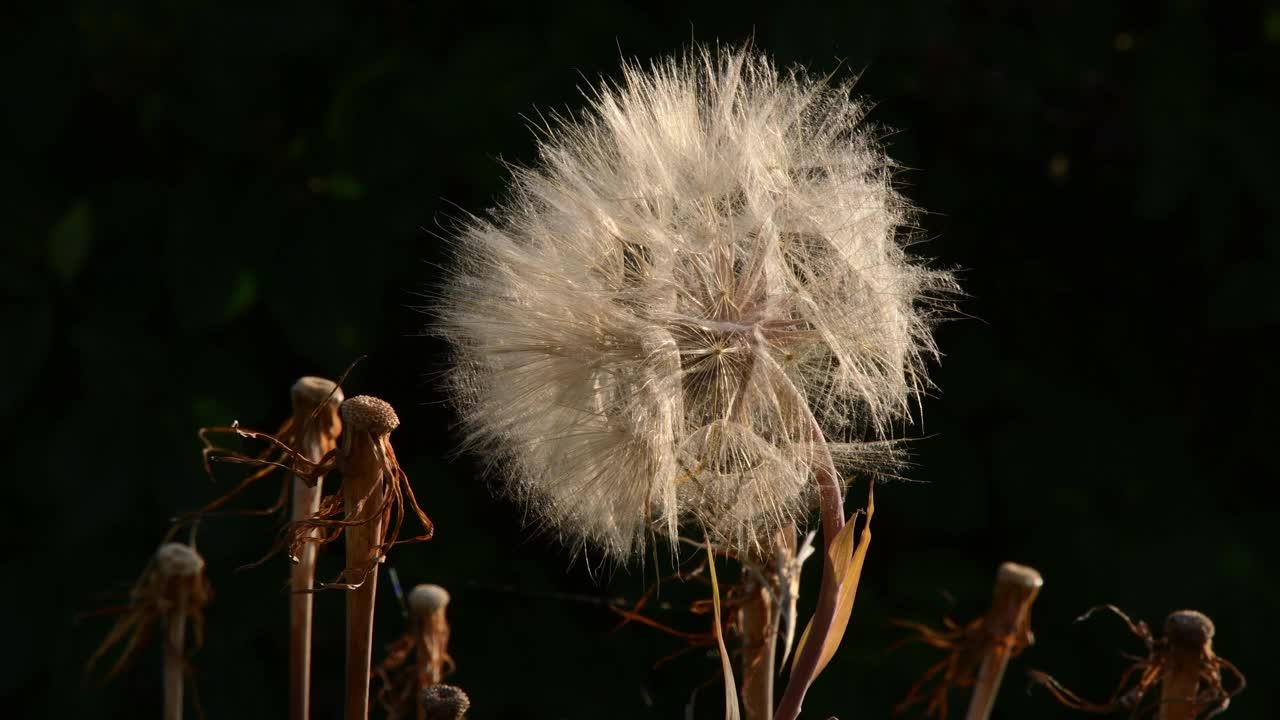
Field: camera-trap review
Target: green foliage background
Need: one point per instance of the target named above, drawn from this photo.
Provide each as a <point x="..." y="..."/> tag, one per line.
<point x="203" y="201"/>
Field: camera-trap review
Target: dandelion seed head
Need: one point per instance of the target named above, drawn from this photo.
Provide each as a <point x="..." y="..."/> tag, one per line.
<point x="702" y="270"/>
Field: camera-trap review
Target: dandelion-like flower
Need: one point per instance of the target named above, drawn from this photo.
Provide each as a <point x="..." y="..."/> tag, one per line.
<point x="172" y="591"/>
<point x="700" y="285"/>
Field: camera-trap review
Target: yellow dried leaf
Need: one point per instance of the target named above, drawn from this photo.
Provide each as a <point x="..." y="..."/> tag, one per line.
<point x="731" y="709"/>
<point x="846" y="562"/>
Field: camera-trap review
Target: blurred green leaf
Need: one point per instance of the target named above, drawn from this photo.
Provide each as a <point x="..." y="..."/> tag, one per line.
<point x="70" y="240"/>
<point x="345" y="187"/>
<point x="243" y="294"/>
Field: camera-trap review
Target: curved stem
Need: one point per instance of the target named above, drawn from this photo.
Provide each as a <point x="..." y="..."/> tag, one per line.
<point x="831" y="508"/>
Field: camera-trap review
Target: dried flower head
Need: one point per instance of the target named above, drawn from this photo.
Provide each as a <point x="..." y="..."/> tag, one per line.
<point x="1183" y="663"/>
<point x="702" y="280"/>
<point x="419" y="659"/>
<point x="172" y="589"/>
<point x="376" y="494"/>
<point x="444" y="702"/>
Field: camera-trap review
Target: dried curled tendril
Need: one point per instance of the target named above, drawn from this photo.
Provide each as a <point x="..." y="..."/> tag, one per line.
<point x="333" y="517"/>
<point x="965" y="647"/>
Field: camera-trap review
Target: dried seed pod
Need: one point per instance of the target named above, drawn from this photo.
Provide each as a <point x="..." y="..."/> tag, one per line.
<point x="444" y="702"/>
<point x="370" y="414"/>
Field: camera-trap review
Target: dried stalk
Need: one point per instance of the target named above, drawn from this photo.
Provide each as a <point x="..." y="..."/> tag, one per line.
<point x="174" y="649"/>
<point x="1183" y="663"/>
<point x="171" y="592"/>
<point x="182" y="567"/>
<point x="1008" y="630"/>
<point x="976" y="653"/>
<point x="419" y="658"/>
<point x="1188" y="637"/>
<point x="315" y="417"/>
<point x="369" y="511"/>
<point x="427" y="604"/>
<point x="363" y="456"/>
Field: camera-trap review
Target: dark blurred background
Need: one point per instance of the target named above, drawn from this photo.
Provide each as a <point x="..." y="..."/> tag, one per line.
<point x="202" y="202"/>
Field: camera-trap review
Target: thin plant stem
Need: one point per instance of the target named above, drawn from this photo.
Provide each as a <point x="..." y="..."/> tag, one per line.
<point x="174" y="651"/>
<point x="1189" y="636"/>
<point x="758" y="648"/>
<point x="759" y="621"/>
<point x="427" y="604"/>
<point x="177" y="571"/>
<point x="362" y="542"/>
<point x="368" y="421"/>
<point x="1007" y="626"/>
<point x="315" y="416"/>
<point x="831" y="510"/>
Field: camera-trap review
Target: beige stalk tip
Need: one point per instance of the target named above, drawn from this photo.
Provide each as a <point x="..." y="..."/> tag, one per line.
<point x="316" y="389"/>
<point x="444" y="702"/>
<point x="365" y="412"/>
<point x="178" y="560"/>
<point x="1188" y="628"/>
<point x="425" y="599"/>
<point x="1017" y="575"/>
